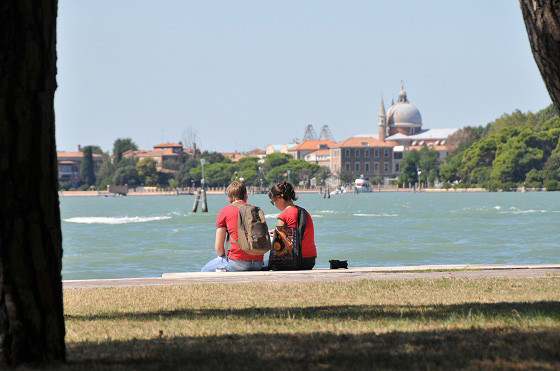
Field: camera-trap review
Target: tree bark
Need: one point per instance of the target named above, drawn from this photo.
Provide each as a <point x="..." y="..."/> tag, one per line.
<point x="542" y="20"/>
<point x="31" y="311"/>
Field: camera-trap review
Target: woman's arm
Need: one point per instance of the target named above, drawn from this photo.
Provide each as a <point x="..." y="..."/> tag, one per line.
<point x="220" y="239"/>
<point x="281" y="222"/>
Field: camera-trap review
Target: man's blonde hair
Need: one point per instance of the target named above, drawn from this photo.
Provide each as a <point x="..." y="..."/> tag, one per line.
<point x="236" y="191"/>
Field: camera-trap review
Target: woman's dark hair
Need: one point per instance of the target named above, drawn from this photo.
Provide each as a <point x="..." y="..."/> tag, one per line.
<point x="283" y="190"/>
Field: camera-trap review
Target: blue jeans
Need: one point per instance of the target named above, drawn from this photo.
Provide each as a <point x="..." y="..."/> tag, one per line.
<point x="232" y="265"/>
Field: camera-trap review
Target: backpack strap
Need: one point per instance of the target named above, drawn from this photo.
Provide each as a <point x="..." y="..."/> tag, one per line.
<point x="301" y="225"/>
<point x="228" y="244"/>
<point x="301" y="220"/>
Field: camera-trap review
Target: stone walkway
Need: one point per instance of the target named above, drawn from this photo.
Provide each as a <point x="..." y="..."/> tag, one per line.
<point x="325" y="275"/>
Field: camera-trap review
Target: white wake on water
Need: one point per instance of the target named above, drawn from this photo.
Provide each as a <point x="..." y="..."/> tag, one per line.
<point x="500" y="210"/>
<point x="515" y="210"/>
<point x="114" y="220"/>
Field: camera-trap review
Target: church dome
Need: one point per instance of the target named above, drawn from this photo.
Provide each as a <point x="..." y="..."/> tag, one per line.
<point x="404" y="114"/>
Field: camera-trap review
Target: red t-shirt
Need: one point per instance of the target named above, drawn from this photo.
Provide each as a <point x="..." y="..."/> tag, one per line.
<point x="289" y="217"/>
<point x="228" y="218"/>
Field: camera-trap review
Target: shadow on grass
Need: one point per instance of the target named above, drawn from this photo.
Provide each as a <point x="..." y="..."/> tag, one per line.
<point x="489" y="348"/>
<point x="547" y="309"/>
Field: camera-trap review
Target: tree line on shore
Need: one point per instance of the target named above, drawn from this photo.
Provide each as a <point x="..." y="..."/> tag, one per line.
<point x="517" y="149"/>
<point x="186" y="170"/>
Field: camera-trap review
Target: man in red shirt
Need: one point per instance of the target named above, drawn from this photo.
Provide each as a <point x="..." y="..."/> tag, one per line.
<point x="236" y="259"/>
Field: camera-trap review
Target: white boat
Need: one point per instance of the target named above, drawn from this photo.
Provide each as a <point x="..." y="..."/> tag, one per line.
<point x="338" y="191"/>
<point x="362" y="185"/>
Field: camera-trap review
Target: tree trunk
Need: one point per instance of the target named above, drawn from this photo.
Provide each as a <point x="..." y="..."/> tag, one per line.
<point x="31" y="312"/>
<point x="542" y="20"/>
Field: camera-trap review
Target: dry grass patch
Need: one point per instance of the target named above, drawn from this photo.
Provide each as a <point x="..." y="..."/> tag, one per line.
<point x="390" y="324"/>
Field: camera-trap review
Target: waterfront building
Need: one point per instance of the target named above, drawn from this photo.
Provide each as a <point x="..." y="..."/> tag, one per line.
<point x="321" y="157"/>
<point x="433" y="138"/>
<point x="70" y="163"/>
<point x="300" y="150"/>
<point x="367" y="156"/>
<point x="161" y="153"/>
<point x="402" y="124"/>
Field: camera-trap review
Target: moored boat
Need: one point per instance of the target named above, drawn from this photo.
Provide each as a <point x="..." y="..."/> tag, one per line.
<point x="362" y="185"/>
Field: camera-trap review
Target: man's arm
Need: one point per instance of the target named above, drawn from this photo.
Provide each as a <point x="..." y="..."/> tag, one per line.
<point x="220" y="239"/>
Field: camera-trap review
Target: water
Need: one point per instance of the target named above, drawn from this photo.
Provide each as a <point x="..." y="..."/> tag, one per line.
<point x="120" y="237"/>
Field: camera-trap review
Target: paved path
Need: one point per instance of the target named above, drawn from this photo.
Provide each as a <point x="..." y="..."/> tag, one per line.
<point x="325" y="275"/>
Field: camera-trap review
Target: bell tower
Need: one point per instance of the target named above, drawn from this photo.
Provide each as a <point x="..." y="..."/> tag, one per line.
<point x="382" y="122"/>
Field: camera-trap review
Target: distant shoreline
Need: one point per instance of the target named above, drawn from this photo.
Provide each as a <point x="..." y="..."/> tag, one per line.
<point x="308" y="191"/>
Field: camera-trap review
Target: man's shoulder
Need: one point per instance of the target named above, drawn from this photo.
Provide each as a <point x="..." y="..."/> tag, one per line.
<point x="246" y="205"/>
<point x="227" y="209"/>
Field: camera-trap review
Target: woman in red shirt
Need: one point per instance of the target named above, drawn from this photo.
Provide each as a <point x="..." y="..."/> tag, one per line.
<point x="283" y="195"/>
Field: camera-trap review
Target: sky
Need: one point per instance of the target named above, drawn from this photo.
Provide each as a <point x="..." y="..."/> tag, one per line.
<point x="246" y="74"/>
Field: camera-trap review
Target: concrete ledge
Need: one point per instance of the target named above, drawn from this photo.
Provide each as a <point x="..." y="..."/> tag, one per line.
<point x="411" y="268"/>
<point x="463" y="271"/>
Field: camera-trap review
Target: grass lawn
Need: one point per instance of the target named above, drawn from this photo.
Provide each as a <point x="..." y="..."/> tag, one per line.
<point x="442" y="324"/>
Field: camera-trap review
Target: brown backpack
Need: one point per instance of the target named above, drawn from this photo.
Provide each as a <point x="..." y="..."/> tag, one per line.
<point x="252" y="231"/>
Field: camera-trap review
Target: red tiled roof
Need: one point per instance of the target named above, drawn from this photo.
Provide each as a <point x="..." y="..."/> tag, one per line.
<point x="168" y="145"/>
<point x="74" y="154"/>
<point x="150" y="153"/>
<point x="142" y="153"/>
<point x="311" y="144"/>
<point x="369" y="142"/>
<point x="320" y="152"/>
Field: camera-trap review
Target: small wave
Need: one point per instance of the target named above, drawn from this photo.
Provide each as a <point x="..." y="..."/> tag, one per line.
<point x="515" y="210"/>
<point x="270" y="216"/>
<point x="475" y="209"/>
<point x="317" y="216"/>
<point x="114" y="220"/>
<point x="382" y="214"/>
<point x="329" y="212"/>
